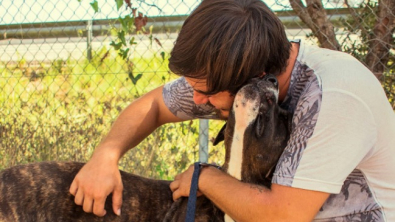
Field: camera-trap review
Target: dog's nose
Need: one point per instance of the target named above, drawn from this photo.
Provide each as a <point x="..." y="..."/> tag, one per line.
<point x="272" y="79"/>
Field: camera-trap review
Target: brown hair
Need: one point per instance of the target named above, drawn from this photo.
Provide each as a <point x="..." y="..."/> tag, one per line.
<point x="228" y="42"/>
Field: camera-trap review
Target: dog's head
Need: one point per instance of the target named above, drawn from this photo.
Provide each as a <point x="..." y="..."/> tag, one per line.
<point x="256" y="132"/>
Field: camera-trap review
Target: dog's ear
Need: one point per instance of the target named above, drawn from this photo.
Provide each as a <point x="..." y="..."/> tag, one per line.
<point x="220" y="136"/>
<point x="260" y="124"/>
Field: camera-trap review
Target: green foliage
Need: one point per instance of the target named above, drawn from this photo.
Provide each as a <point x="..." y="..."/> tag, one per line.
<point x="119" y="4"/>
<point x="135" y="79"/>
<point x="131" y="23"/>
<point x="361" y="25"/>
<point x="95" y="5"/>
<point x="167" y="151"/>
<point x="66" y="109"/>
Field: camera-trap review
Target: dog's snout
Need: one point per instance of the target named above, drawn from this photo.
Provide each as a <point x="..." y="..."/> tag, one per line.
<point x="272" y="79"/>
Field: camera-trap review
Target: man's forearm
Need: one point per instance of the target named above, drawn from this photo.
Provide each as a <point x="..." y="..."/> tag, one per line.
<point x="235" y="198"/>
<point x="249" y="202"/>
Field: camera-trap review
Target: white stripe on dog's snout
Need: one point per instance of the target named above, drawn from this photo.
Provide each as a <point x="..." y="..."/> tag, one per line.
<point x="245" y="111"/>
<point x="227" y="218"/>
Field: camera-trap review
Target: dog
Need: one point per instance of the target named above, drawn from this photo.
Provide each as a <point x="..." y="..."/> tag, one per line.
<point x="255" y="135"/>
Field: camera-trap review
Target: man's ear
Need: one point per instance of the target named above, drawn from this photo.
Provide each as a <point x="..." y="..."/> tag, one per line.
<point x="220" y="136"/>
<point x="262" y="75"/>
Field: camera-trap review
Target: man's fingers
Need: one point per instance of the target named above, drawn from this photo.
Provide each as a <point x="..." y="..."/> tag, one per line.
<point x="117" y="200"/>
<point x="98" y="206"/>
<point x="176" y="195"/>
<point x="88" y="205"/>
<point x="79" y="197"/>
<point x="174" y="188"/>
<point x="174" y="185"/>
<point x="73" y="188"/>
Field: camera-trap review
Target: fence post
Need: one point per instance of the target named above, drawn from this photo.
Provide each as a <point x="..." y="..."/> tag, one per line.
<point x="203" y="140"/>
<point x="89" y="39"/>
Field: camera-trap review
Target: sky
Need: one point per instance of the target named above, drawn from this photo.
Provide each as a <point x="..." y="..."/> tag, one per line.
<point x="39" y="11"/>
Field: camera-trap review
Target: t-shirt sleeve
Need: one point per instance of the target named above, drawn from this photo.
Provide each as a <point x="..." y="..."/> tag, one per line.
<point x="332" y="132"/>
<point x="178" y="97"/>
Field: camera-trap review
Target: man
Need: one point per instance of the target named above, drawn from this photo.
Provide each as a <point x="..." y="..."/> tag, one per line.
<point x="338" y="164"/>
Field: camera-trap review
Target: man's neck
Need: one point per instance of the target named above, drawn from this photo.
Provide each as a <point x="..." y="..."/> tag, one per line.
<point x="284" y="79"/>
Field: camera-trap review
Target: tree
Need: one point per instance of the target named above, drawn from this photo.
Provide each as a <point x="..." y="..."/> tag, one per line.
<point x="315" y="17"/>
<point x="381" y="40"/>
<point x="377" y="35"/>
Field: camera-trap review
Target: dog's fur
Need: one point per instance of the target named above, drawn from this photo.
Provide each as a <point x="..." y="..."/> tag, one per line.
<point x="40" y="191"/>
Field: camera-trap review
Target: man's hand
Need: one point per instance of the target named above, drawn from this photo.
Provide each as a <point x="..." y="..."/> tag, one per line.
<point x="182" y="184"/>
<point x="95" y="181"/>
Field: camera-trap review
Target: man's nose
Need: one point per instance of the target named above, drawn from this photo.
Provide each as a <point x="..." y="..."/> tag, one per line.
<point x="200" y="98"/>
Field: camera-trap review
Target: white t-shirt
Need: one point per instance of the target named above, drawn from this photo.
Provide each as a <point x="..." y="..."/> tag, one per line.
<point x="342" y="137"/>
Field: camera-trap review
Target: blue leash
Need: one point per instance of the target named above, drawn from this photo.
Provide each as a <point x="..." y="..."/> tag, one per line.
<point x="191" y="207"/>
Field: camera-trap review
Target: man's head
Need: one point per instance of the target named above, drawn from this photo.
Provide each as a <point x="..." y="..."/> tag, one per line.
<point x="227" y="42"/>
<point x="221" y="101"/>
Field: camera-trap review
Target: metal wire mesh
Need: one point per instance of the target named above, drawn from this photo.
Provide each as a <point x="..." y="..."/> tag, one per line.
<point x="62" y="83"/>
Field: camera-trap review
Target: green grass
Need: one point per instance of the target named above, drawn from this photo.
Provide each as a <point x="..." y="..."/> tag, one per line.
<point x="61" y="111"/>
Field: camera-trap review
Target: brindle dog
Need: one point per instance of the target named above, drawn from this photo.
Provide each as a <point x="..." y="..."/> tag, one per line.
<point x="39" y="192"/>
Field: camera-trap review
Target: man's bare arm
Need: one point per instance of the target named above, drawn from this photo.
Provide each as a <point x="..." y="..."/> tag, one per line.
<point x="100" y="176"/>
<point x="249" y="202"/>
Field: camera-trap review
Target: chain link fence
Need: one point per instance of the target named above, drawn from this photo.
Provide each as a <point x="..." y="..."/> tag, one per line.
<point x="64" y="77"/>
